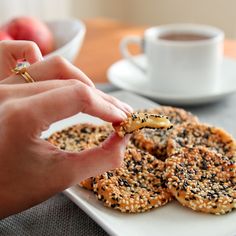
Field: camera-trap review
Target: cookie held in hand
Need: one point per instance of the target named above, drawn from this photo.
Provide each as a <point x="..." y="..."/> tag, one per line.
<point x="140" y="120"/>
<point x="155" y="141"/>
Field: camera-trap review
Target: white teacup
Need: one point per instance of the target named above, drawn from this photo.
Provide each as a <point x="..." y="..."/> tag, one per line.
<point x="182" y="59"/>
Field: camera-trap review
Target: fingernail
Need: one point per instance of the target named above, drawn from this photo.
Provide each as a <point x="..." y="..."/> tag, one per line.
<point x="41" y="58"/>
<point x="122" y="114"/>
<point x="128" y="107"/>
<point x="126" y="141"/>
<point x="124" y="109"/>
<point x="127" y="138"/>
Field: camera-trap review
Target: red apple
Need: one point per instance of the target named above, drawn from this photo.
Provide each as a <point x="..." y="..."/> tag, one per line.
<point x="5" y="36"/>
<point x="30" y="28"/>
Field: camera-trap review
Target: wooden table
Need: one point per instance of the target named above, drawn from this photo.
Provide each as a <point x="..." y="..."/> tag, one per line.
<point x="101" y="46"/>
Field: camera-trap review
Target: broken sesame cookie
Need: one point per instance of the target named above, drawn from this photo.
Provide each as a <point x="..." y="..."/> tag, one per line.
<point x="138" y="186"/>
<point x="194" y="135"/>
<point x="202" y="180"/>
<point x="79" y="137"/>
<point x="140" y="120"/>
<point x="155" y="140"/>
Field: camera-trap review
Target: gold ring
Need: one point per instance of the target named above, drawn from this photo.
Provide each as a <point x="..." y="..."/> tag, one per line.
<point x="21" y="69"/>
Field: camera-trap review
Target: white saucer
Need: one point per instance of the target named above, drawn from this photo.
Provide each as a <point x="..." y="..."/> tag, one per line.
<point x="126" y="76"/>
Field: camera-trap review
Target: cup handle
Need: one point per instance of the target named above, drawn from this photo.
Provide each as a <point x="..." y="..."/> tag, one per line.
<point x="125" y="52"/>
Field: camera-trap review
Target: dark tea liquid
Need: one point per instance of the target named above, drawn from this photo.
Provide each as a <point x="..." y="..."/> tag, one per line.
<point x="183" y="37"/>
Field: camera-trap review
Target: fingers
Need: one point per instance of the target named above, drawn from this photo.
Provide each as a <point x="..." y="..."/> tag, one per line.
<point x="50" y="69"/>
<point x="23" y="90"/>
<point x="30" y="89"/>
<point x="123" y="106"/>
<point x="11" y="51"/>
<point x="61" y="103"/>
<point x="94" y="161"/>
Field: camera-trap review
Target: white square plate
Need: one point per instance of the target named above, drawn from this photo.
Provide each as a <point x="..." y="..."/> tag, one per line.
<point x="172" y="219"/>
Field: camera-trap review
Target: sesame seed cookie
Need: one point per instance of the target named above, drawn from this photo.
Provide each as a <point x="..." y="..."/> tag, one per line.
<point x="87" y="183"/>
<point x="79" y="137"/>
<point x="193" y="135"/>
<point x="138" y="186"/>
<point x="141" y="120"/>
<point x="155" y="140"/>
<point x="202" y="180"/>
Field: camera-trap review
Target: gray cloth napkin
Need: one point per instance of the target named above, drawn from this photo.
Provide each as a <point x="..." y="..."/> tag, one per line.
<point x="56" y="216"/>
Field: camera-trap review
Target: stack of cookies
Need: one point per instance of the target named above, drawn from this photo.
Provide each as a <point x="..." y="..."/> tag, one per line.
<point x="193" y="163"/>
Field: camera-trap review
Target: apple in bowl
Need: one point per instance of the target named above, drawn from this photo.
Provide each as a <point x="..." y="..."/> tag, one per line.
<point x="30" y="28"/>
<point x="58" y="37"/>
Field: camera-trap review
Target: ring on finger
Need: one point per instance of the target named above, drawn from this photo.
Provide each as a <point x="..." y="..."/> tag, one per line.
<point x="21" y="69"/>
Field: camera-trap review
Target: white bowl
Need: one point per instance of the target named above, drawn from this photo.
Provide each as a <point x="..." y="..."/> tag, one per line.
<point x="68" y="35"/>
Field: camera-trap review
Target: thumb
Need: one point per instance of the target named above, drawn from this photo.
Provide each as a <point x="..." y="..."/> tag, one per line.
<point x="95" y="161"/>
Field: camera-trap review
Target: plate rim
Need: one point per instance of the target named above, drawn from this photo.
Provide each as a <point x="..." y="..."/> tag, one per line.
<point x="70" y="192"/>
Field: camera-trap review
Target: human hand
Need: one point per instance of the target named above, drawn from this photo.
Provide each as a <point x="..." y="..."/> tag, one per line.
<point x="32" y="169"/>
<point x="12" y="51"/>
